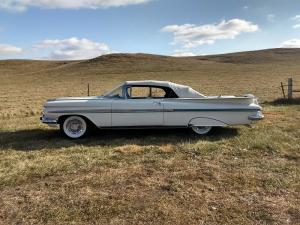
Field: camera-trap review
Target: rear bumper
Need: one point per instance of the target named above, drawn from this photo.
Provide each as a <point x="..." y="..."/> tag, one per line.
<point x="257" y="116"/>
<point x="48" y="121"/>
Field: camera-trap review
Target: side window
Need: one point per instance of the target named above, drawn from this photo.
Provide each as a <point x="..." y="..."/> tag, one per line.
<point x="157" y="93"/>
<point x="150" y="92"/>
<point x="138" y="92"/>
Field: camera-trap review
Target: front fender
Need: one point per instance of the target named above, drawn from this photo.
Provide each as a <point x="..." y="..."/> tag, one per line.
<point x="205" y="121"/>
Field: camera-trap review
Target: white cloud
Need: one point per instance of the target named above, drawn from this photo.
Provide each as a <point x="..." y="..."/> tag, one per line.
<point x="9" y="49"/>
<point x="296" y="26"/>
<point x="245" y="7"/>
<point x="297" y="19"/>
<point x="73" y="49"/>
<point x="271" y="17"/>
<point x="21" y="5"/>
<point x="293" y="43"/>
<point x="191" y="35"/>
<point x="179" y="53"/>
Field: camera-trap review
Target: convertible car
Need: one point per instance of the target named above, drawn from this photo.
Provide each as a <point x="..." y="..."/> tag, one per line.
<point x="149" y="104"/>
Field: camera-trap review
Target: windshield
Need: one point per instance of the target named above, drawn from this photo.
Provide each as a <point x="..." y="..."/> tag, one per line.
<point x="115" y="93"/>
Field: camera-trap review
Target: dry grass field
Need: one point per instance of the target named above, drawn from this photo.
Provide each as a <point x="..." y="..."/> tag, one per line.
<point x="237" y="175"/>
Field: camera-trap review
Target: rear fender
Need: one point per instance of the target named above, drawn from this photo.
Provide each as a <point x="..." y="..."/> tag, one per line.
<point x="209" y="122"/>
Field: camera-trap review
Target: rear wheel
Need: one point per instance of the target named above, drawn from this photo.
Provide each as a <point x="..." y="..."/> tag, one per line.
<point x="201" y="130"/>
<point x="74" y="127"/>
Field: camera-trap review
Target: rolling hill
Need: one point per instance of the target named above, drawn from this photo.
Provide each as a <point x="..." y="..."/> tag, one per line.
<point x="257" y="72"/>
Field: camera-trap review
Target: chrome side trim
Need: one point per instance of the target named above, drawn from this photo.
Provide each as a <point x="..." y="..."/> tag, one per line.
<point x="81" y="111"/>
<point x="211" y="110"/>
<point x="150" y="110"/>
<point x="226" y="124"/>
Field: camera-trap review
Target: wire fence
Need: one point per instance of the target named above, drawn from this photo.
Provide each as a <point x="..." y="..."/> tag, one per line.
<point x="292" y="87"/>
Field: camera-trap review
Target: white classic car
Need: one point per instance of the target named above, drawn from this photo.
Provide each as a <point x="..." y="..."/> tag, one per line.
<point x="150" y="104"/>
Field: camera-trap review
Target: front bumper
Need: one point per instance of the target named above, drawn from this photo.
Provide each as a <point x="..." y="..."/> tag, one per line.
<point x="48" y="121"/>
<point x="257" y="116"/>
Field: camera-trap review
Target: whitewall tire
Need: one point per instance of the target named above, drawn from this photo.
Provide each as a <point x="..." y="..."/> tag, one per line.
<point x="74" y="127"/>
<point x="201" y="130"/>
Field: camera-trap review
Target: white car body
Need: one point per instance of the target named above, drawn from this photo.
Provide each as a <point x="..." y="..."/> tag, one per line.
<point x="184" y="107"/>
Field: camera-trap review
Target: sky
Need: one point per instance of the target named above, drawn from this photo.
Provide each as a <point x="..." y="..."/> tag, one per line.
<point x="83" y="29"/>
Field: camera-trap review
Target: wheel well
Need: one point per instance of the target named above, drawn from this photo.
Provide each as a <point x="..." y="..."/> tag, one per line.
<point x="61" y="119"/>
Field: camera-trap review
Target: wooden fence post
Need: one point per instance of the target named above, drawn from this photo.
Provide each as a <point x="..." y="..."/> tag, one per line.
<point x="88" y="89"/>
<point x="282" y="88"/>
<point x="290" y="88"/>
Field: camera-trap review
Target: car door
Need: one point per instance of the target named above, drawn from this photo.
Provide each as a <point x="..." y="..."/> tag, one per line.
<point x="138" y="108"/>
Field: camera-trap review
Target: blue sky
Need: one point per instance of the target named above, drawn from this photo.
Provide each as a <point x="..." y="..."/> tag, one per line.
<point x="68" y="29"/>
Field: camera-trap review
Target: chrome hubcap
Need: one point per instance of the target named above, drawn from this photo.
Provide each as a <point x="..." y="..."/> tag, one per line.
<point x="75" y="126"/>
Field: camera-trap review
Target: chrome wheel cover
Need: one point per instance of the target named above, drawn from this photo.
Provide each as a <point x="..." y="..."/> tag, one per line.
<point x="74" y="127"/>
<point x="201" y="130"/>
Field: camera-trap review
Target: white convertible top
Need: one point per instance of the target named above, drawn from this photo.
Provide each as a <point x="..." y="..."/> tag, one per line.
<point x="182" y="91"/>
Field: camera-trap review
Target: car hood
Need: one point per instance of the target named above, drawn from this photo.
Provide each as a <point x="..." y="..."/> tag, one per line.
<point x="76" y="102"/>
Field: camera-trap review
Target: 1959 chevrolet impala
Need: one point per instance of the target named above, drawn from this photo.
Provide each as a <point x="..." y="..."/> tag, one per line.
<point x="150" y="104"/>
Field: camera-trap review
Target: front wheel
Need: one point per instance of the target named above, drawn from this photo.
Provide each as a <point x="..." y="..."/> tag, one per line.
<point x="201" y="130"/>
<point x="74" y="127"/>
